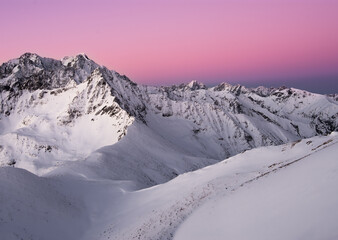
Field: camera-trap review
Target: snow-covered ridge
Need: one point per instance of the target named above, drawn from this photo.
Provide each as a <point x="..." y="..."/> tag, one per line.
<point x="53" y="111"/>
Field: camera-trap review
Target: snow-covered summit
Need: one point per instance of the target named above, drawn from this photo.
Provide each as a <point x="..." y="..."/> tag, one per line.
<point x="223" y="86"/>
<point x="194" y="85"/>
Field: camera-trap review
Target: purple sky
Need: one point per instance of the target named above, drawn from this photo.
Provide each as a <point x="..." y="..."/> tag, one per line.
<point x="158" y="42"/>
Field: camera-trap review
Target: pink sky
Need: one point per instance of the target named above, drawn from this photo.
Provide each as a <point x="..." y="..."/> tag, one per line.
<point x="172" y="41"/>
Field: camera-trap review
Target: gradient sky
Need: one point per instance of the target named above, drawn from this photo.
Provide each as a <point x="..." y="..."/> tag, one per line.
<point x="161" y="42"/>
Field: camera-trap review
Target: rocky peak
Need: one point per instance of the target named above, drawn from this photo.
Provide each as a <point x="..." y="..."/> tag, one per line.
<point x="223" y="86"/>
<point x="194" y="85"/>
<point x="333" y="96"/>
<point x="238" y="89"/>
<point x="262" y="91"/>
<point x="31" y="57"/>
<point x="79" y="61"/>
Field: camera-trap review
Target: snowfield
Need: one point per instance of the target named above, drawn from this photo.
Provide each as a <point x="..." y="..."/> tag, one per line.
<point x="279" y="192"/>
<point x="295" y="202"/>
<point x="85" y="153"/>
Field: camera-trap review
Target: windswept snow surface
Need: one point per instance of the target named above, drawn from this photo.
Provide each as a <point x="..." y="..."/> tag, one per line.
<point x="278" y="192"/>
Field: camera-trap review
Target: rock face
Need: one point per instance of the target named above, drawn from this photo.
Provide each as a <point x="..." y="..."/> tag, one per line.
<point x="54" y="111"/>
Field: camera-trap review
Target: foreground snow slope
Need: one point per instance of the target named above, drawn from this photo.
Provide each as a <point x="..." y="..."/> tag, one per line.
<point x="32" y="207"/>
<point x="294" y="180"/>
<point x="157" y="212"/>
<point x="297" y="202"/>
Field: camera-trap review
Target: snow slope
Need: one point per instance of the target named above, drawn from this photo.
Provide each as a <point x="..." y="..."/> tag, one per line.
<point x="298" y="202"/>
<point x="32" y="207"/>
<point x="156" y="213"/>
<point x="286" y="177"/>
<point x="142" y="156"/>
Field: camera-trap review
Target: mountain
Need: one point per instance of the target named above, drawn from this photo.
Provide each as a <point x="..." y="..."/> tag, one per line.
<point x="75" y="112"/>
<point x="85" y="153"/>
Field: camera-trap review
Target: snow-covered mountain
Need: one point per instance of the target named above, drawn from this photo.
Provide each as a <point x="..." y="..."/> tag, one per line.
<point x="53" y="112"/>
<point x="93" y="142"/>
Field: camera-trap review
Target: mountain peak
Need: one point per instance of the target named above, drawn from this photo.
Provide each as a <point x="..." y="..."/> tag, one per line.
<point x="194" y="85"/>
<point x="80" y="58"/>
<point x="222" y="86"/>
<point x="82" y="55"/>
<point x="30" y="58"/>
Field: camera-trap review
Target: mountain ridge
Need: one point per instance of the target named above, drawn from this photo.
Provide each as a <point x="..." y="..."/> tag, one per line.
<point x="62" y="98"/>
